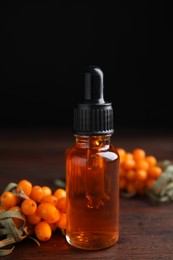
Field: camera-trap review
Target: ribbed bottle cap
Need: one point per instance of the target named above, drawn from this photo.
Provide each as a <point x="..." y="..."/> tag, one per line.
<point x="93" y="116"/>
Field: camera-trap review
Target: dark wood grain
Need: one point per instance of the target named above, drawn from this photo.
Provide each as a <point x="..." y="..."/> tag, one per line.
<point x="146" y="230"/>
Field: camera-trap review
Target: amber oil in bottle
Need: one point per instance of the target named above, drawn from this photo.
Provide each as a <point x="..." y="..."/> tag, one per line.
<point x="92" y="171"/>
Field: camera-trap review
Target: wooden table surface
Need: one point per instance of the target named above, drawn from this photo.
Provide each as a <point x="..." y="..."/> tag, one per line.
<point x="146" y="230"/>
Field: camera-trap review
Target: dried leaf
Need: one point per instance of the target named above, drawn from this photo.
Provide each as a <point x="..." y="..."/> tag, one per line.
<point x="12" y="233"/>
<point x="11" y="186"/>
<point x="60" y="183"/>
<point x="9" y="233"/>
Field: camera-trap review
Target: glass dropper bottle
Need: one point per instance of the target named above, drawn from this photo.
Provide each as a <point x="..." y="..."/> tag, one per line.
<point x="92" y="171"/>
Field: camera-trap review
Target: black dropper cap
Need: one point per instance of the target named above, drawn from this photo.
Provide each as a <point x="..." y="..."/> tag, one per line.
<point x="93" y="116"/>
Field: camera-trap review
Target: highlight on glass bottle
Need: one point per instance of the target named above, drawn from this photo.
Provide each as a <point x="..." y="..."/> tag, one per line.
<point x="92" y="171"/>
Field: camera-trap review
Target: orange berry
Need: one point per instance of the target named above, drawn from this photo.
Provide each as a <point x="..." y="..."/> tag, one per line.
<point x="152" y="161"/>
<point x="8" y="200"/>
<point x="24" y="185"/>
<point x="128" y="156"/>
<point x="36" y="193"/>
<point x="128" y="164"/>
<point x="141" y="175"/>
<point x="46" y="191"/>
<point x="140" y="186"/>
<point x="62" y="222"/>
<point x="130" y="175"/>
<point x="53" y="226"/>
<point x="138" y="171"/>
<point x="122" y="183"/>
<point x="28" y="206"/>
<point x="131" y="187"/>
<point x="142" y="165"/>
<point x="138" y="154"/>
<point x="61" y="204"/>
<point x="48" y="212"/>
<point x="121" y="153"/>
<point x="34" y="218"/>
<point x="43" y="231"/>
<point x="59" y="193"/>
<point x="50" y="199"/>
<point x="155" y="171"/>
<point x="122" y="173"/>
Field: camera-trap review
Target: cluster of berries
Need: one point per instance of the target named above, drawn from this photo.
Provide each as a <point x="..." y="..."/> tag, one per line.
<point x="138" y="171"/>
<point x="42" y="209"/>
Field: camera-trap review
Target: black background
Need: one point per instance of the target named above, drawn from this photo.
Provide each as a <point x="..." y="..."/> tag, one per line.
<point x="46" y="46"/>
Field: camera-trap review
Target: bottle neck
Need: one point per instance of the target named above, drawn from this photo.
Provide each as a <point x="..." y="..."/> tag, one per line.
<point x="97" y="142"/>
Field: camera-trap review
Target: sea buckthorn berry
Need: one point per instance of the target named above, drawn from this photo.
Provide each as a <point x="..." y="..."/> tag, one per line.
<point x="142" y="165"/>
<point x="8" y="200"/>
<point x="155" y="172"/>
<point x="61" y="204"/>
<point x="28" y="206"/>
<point x="46" y="191"/>
<point x="122" y="172"/>
<point x="43" y="231"/>
<point x="36" y="193"/>
<point x="59" y="193"/>
<point x="140" y="187"/>
<point x="139" y="154"/>
<point x="50" y="199"/>
<point x="24" y="185"/>
<point x="48" y="212"/>
<point x="128" y="164"/>
<point x="121" y="153"/>
<point x="130" y="175"/>
<point x="62" y="222"/>
<point x="138" y="171"/>
<point x="53" y="226"/>
<point x="152" y="161"/>
<point x="141" y="175"/>
<point x="131" y="187"/>
<point x="122" y="183"/>
<point x="34" y="218"/>
<point x="128" y="156"/>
